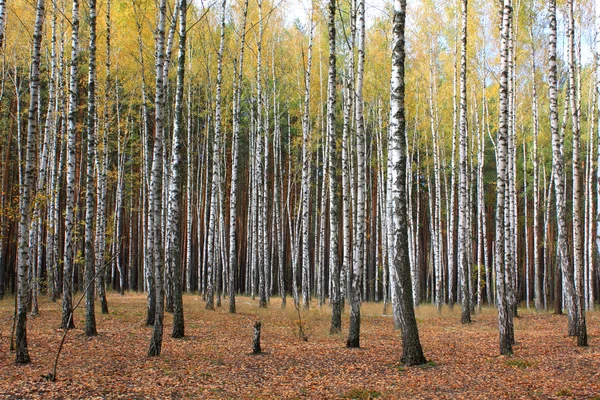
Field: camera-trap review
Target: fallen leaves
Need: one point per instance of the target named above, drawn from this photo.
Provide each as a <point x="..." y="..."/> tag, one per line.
<point x="214" y="360"/>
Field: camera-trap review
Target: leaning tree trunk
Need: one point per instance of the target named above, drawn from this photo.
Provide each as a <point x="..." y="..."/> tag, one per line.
<point x="90" y="264"/>
<point x="69" y="251"/>
<point x="22" y="354"/>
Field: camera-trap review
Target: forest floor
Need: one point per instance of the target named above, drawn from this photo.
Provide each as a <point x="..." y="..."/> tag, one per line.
<point x="214" y="360"/>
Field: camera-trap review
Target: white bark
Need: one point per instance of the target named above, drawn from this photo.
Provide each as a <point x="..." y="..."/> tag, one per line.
<point x="306" y="174"/>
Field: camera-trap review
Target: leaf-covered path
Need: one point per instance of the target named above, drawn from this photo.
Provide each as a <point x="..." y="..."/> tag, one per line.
<point x="215" y="360"/>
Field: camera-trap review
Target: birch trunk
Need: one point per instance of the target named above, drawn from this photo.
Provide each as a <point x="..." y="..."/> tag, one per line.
<point x="537" y="281"/>
<point x="578" y="296"/>
<point x="306" y="175"/>
<point x="234" y="167"/>
<point x="22" y="353"/>
<point x="90" y="264"/>
<point x="176" y="182"/>
<point x="412" y="353"/>
<point x="334" y="262"/>
<point x="558" y="176"/>
<point x="156" y="185"/>
<point x="216" y="177"/>
<point x="101" y="160"/>
<point x="463" y="240"/>
<point x="260" y="186"/>
<point x="69" y="251"/>
<point x="359" y="242"/>
<point x="502" y="281"/>
<point x="2" y="21"/>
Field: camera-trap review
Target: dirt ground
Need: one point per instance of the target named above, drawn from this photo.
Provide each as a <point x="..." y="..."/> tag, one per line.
<point x="214" y="360"/>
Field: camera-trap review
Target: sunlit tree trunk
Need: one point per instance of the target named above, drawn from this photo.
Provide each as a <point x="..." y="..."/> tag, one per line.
<point x="502" y="264"/>
<point x="306" y="175"/>
<point x="463" y="239"/>
<point x="412" y="353"/>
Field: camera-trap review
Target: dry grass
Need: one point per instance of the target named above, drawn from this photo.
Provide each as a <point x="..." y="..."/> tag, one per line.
<point x="215" y="361"/>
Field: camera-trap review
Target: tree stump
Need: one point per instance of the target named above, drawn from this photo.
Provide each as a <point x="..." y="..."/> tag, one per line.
<point x="256" y="341"/>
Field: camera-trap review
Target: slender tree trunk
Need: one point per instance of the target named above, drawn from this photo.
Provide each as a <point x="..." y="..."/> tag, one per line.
<point x="334" y="262"/>
<point x="156" y="184"/>
<point x="70" y="226"/>
<point x="537" y="281"/>
<point x="359" y="243"/>
<point x="502" y="264"/>
<point x="22" y="353"/>
<point x="90" y="264"/>
<point x="234" y="167"/>
<point x="306" y="175"/>
<point x="2" y="21"/>
<point x="176" y="183"/>
<point x="463" y="239"/>
<point x="412" y="353"/>
<point x="578" y="267"/>
<point x="559" y="182"/>
<point x="216" y="177"/>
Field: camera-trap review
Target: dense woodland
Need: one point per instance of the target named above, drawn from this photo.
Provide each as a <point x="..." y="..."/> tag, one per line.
<point x="439" y="152"/>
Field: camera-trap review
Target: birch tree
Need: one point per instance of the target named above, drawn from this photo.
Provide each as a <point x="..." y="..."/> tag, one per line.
<point x="173" y="224"/>
<point x="463" y="238"/>
<point x="306" y="173"/>
<point x="234" y="162"/>
<point x="334" y="262"/>
<point x="90" y="209"/>
<point x="359" y="242"/>
<point x="155" y="224"/>
<point x="578" y="266"/>
<point x="558" y="176"/>
<point x="502" y="264"/>
<point x="412" y="353"/>
<point x="69" y="251"/>
<point x="22" y="352"/>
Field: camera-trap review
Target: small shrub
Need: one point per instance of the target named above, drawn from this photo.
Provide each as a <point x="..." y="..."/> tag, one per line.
<point x="362" y="394"/>
<point x="563" y="392"/>
<point x="519" y="363"/>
